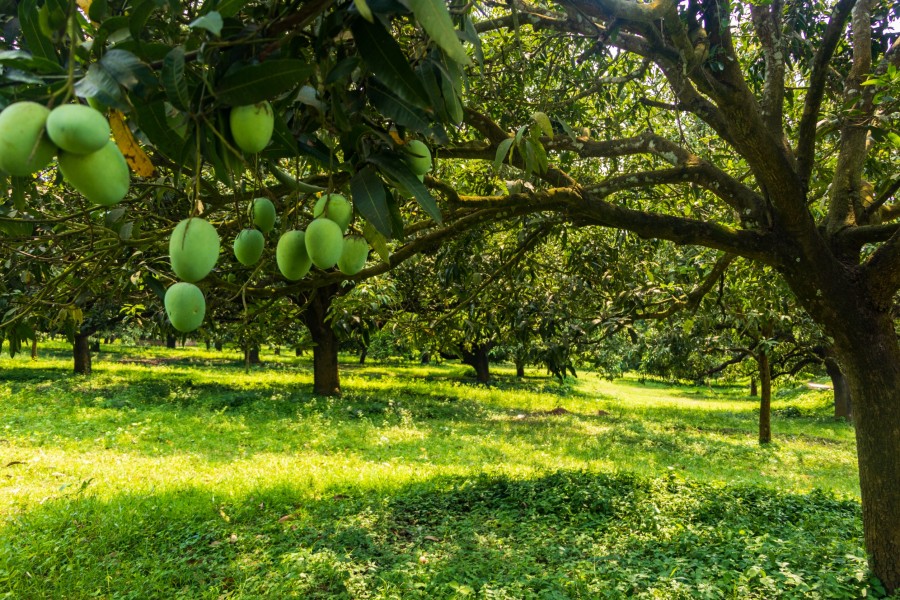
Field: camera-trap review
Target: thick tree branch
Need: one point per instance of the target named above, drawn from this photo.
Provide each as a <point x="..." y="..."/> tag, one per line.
<point x="806" y="146"/>
<point x="767" y="22"/>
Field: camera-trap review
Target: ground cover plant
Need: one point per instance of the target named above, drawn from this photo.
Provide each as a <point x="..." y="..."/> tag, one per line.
<point x="178" y="474"/>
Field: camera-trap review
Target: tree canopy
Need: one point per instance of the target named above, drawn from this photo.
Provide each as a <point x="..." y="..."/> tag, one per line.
<point x="764" y="130"/>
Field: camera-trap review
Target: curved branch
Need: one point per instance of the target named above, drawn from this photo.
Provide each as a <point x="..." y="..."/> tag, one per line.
<point x="806" y="145"/>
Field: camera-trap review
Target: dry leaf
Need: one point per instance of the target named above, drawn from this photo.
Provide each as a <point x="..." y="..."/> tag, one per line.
<point x="84" y="5"/>
<point x="431" y="538"/>
<point x="286" y="518"/>
<point x="135" y="156"/>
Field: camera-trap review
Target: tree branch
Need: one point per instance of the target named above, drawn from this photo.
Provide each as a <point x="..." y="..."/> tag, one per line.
<point x="806" y="145"/>
<point x="692" y="300"/>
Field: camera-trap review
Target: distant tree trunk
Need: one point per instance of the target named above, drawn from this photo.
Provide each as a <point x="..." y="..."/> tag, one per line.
<point x="34" y="342"/>
<point x="362" y="355"/>
<point x="765" y="398"/>
<point x="326" y="378"/>
<point x="277" y="351"/>
<point x="753" y="391"/>
<point x="95" y="346"/>
<point x="207" y="345"/>
<point x="218" y="345"/>
<point x="477" y="358"/>
<point x="843" y="409"/>
<point x="171" y="340"/>
<point x="425" y="358"/>
<point x="298" y="351"/>
<point x="251" y="355"/>
<point x="81" y="352"/>
<point x="520" y="368"/>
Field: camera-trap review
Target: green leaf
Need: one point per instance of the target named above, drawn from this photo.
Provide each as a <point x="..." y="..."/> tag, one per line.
<point x="367" y="191"/>
<point x="99" y="10"/>
<point x="154" y="123"/>
<point x="128" y="70"/>
<point x="35" y="40"/>
<point x="98" y="83"/>
<point x="398" y="170"/>
<point x="435" y="19"/>
<point x="364" y="11"/>
<point x="138" y="16"/>
<point x="24" y="60"/>
<point x="229" y="8"/>
<point x="543" y="121"/>
<point x="502" y="151"/>
<point x="262" y="81"/>
<point x="383" y="55"/>
<point x="211" y="22"/>
<point x="378" y="241"/>
<point x="173" y="79"/>
<point x="402" y="112"/>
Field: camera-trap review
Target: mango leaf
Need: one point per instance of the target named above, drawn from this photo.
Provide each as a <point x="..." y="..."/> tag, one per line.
<point x="398" y="170"/>
<point x="364" y="11"/>
<point x="154" y="123"/>
<point x="402" y="112"/>
<point x="435" y="19"/>
<point x="173" y="79"/>
<point x="25" y="60"/>
<point x="502" y="151"/>
<point x="543" y="121"/>
<point x="98" y="10"/>
<point x="134" y="155"/>
<point x="138" y="16"/>
<point x="211" y="22"/>
<point x="229" y="8"/>
<point x="99" y="84"/>
<point x="128" y="70"/>
<point x="383" y="55"/>
<point x="262" y="81"/>
<point x="35" y="40"/>
<point x="367" y="191"/>
<point x="378" y="241"/>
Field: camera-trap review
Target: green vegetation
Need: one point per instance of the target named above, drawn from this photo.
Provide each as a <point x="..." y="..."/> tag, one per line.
<point x="155" y="478"/>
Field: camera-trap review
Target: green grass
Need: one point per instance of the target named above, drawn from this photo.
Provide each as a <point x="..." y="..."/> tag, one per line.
<point x="176" y="474"/>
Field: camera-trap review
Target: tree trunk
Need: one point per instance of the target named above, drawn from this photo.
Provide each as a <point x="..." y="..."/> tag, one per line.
<point x="207" y="345"/>
<point x="753" y="391"/>
<point x="326" y="378"/>
<point x="298" y="351"/>
<point x="218" y="346"/>
<point x="870" y="357"/>
<point x="842" y="405"/>
<point x="171" y="341"/>
<point x="765" y="398"/>
<point x="81" y="352"/>
<point x="34" y="341"/>
<point x="520" y="368"/>
<point x="362" y="355"/>
<point x="251" y="355"/>
<point x="477" y="358"/>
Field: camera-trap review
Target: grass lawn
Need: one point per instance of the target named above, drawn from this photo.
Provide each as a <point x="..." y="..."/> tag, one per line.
<point x="176" y="474"/>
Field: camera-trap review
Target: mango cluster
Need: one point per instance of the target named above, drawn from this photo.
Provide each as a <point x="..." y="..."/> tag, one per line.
<point x="31" y="134"/>
<point x="323" y="244"/>
<point x="193" y="252"/>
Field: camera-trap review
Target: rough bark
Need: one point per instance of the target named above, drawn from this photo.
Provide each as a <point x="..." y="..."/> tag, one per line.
<point x="765" y="397"/>
<point x="477" y="358"/>
<point x="81" y="352"/>
<point x="842" y="405"/>
<point x="326" y="377"/>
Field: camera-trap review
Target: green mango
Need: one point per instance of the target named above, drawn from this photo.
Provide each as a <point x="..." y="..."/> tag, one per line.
<point x="248" y="246"/>
<point x="77" y="128"/>
<point x="324" y="242"/>
<point x="185" y="306"/>
<point x="102" y="176"/>
<point x="24" y="149"/>
<point x="193" y="249"/>
<point x="291" y="256"/>
<point x="252" y="126"/>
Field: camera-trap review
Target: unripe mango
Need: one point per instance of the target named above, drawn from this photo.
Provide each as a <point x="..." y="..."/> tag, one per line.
<point x="248" y="246"/>
<point x="354" y="255"/>
<point x="291" y="256"/>
<point x="418" y="157"/>
<point x="252" y="126"/>
<point x="102" y="176"/>
<point x="185" y="306"/>
<point x="77" y="128"/>
<point x="193" y="249"/>
<point x="24" y="149"/>
<point x="334" y="207"/>
<point x="324" y="242"/>
<point x="263" y="212"/>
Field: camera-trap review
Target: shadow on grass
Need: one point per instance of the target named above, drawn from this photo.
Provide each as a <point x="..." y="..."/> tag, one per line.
<point x="563" y="535"/>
